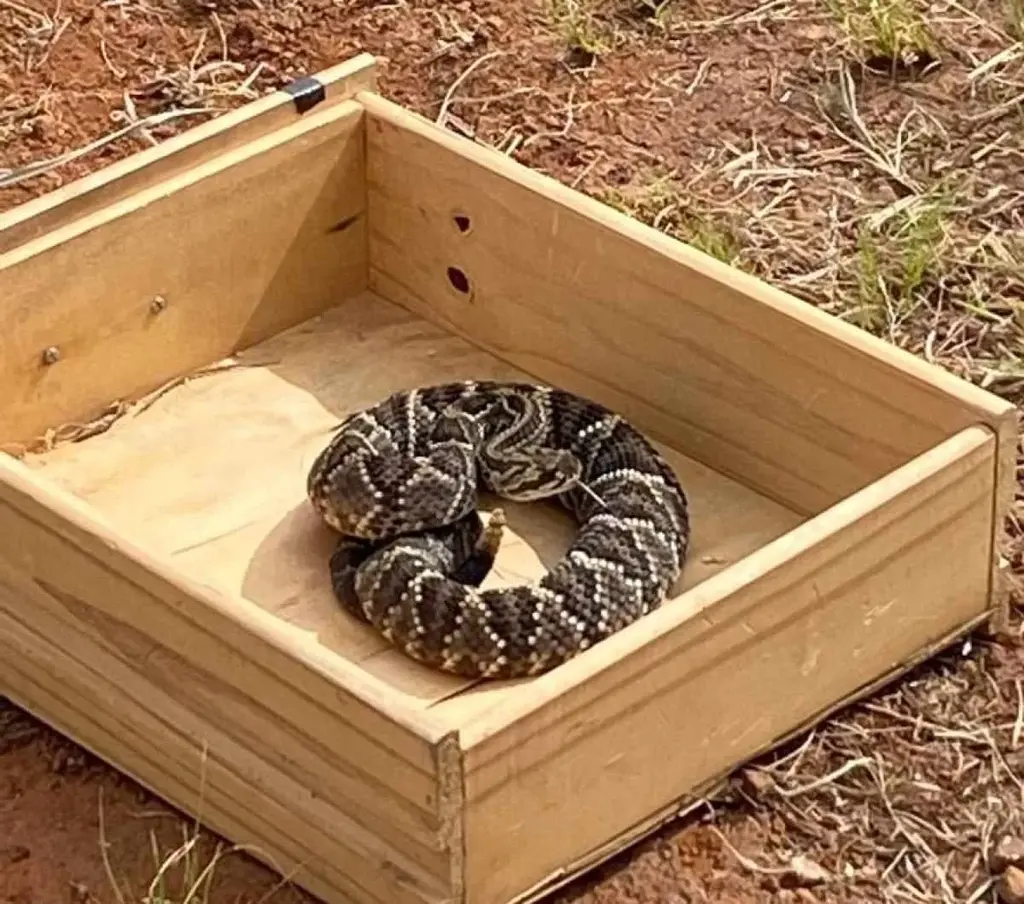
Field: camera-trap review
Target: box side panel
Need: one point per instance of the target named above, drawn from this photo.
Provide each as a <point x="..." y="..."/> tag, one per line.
<point x="728" y="370"/>
<point x="183" y="273"/>
<point x="727" y="669"/>
<point x="236" y="803"/>
<point x="188" y="149"/>
<point x="301" y="752"/>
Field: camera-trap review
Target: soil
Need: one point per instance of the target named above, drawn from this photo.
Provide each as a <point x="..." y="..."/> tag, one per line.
<point x="767" y="134"/>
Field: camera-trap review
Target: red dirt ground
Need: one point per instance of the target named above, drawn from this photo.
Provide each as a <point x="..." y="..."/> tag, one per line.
<point x="724" y="123"/>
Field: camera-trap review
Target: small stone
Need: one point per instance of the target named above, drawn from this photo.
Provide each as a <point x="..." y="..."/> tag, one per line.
<point x="14" y="854"/>
<point x="1011" y="886"/>
<point x="757" y="782"/>
<point x="67" y="761"/>
<point x="805" y="872"/>
<point x="1009" y="851"/>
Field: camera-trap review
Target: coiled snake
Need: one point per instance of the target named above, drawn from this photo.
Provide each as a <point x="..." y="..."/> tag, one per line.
<point x="399" y="481"/>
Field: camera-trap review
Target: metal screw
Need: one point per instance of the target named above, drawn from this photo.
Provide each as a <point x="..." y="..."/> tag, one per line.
<point x="51" y="355"/>
<point x="158" y="304"/>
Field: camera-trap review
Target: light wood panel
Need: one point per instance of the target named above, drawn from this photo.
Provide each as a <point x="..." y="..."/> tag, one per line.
<point x="240" y="247"/>
<point x="696" y="796"/>
<point x="732" y="372"/>
<point x="176" y="155"/>
<point x="805" y="408"/>
<point x="181" y="457"/>
<point x="181" y="662"/>
<point x="736" y="663"/>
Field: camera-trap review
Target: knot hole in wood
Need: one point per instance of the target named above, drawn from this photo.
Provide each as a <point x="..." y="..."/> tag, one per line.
<point x="459" y="280"/>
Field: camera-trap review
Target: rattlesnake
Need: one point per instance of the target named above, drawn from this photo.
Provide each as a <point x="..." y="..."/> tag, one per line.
<point x="399" y="481"/>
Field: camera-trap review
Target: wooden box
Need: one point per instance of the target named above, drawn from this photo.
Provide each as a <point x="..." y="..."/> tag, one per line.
<point x="163" y="588"/>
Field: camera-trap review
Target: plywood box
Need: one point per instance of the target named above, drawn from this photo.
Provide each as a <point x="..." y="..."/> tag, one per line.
<point x="163" y="588"/>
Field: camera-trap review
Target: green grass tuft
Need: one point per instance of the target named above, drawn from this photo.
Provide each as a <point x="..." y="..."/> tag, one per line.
<point x="896" y="264"/>
<point x="657" y="202"/>
<point x="657" y="12"/>
<point x="891" y="29"/>
<point x="711" y="237"/>
<point x="579" y="26"/>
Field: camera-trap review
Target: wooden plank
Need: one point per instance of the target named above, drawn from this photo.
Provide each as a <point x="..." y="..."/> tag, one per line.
<point x="236" y="624"/>
<point x="172" y="157"/>
<point x="721" y="671"/>
<point x="254" y="240"/>
<point x="679" y="809"/>
<point x="243" y="732"/>
<point x="732" y="372"/>
<point x="272" y="705"/>
<point x="238" y="796"/>
<point x="1008" y="432"/>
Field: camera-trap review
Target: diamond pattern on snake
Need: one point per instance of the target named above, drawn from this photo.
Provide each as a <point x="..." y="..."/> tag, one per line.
<point x="399" y="481"/>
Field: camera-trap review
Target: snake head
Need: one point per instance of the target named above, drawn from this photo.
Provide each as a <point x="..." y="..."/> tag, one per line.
<point x="536" y="475"/>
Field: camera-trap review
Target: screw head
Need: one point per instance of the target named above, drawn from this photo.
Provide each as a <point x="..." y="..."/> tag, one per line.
<point x="51" y="355"/>
<point x="158" y="304"/>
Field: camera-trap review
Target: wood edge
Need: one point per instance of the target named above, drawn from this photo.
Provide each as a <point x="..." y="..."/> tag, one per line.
<point x="451" y="811"/>
<point x="341" y="81"/>
<point x="979" y="403"/>
<point x="686" y="805"/>
<point x="690" y="604"/>
<point x="174" y="182"/>
<point x="369" y="690"/>
<point x="1006" y="431"/>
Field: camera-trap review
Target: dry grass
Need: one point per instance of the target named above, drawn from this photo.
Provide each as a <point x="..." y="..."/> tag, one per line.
<point x="867" y="795"/>
<point x="180" y="875"/>
<point x="186" y="873"/>
<point x="167" y="95"/>
<point x="28" y="35"/>
<point x="1015" y="19"/>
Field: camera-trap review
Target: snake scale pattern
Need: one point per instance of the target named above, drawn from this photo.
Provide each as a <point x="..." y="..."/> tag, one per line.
<point x="400" y="482"/>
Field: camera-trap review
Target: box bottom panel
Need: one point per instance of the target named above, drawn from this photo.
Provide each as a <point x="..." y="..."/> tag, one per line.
<point x="211" y="473"/>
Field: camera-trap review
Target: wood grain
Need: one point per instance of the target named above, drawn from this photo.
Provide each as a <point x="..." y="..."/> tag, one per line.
<point x="696" y="796"/>
<point x="193" y="147"/>
<point x="181" y="456"/>
<point x="240" y="247"/>
<point x="300" y="845"/>
<point x="731" y="372"/>
<point x="725" y="669"/>
<point x="183" y="664"/>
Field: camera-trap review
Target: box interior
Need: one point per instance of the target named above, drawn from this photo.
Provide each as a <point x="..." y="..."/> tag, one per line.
<point x="212" y="475"/>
